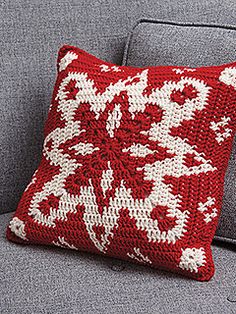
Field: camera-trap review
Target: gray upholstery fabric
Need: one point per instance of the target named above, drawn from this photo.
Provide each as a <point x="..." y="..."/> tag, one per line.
<point x="50" y="280"/>
<point x="160" y="43"/>
<point x="31" y="31"/>
<point x="169" y="43"/>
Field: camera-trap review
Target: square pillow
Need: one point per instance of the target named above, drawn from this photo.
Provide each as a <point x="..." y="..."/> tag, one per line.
<point x="156" y="42"/>
<point x="133" y="163"/>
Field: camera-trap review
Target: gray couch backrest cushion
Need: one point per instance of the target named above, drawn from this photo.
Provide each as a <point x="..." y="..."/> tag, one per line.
<point x="168" y="43"/>
<point x="31" y="31"/>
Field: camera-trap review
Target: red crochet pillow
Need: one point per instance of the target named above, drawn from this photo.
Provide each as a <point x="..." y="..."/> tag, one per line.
<point x="133" y="163"/>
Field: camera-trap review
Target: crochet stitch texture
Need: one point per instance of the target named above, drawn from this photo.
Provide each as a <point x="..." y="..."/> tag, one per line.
<point x="133" y="163"/>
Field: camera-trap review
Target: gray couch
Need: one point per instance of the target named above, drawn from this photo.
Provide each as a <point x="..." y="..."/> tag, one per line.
<point x="36" y="279"/>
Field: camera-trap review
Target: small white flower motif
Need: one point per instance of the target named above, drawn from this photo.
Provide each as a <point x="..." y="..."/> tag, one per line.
<point x="228" y="76"/>
<point x="138" y="256"/>
<point x="220" y="129"/>
<point x="202" y="207"/>
<point x="192" y="258"/>
<point x="66" y="60"/>
<point x="63" y="243"/>
<point x="17" y="226"/>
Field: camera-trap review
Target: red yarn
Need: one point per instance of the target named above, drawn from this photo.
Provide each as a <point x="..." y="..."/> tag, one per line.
<point x="133" y="163"/>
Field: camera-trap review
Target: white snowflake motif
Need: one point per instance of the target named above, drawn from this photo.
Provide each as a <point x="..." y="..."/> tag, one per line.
<point x="208" y="205"/>
<point x="161" y="194"/>
<point x="221" y="130"/>
<point x="192" y="258"/>
<point x="228" y="76"/>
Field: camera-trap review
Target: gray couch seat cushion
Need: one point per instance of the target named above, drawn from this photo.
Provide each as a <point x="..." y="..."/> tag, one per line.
<point x="37" y="279"/>
<point x="153" y="42"/>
